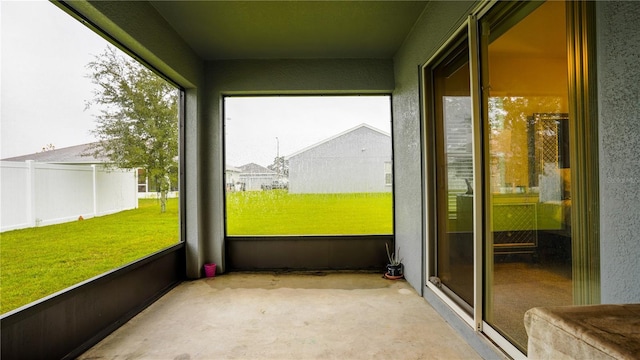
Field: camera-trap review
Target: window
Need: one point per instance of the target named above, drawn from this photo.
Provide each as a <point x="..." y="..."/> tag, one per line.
<point x="142" y="181"/>
<point x="71" y="172"/>
<point x="388" y="173"/>
<point x="308" y="165"/>
<point x="528" y="209"/>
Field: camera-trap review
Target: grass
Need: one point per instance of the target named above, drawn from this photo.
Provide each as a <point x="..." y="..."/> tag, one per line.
<point x="277" y="212"/>
<point x="39" y="261"/>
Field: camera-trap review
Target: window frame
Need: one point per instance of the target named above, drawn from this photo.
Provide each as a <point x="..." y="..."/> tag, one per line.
<point x="224" y="115"/>
<point x="429" y="172"/>
<point x="124" y="274"/>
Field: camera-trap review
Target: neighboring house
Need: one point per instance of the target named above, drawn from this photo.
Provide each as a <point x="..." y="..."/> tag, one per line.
<point x="232" y="178"/>
<point x="357" y="160"/>
<point x="61" y="185"/>
<point x="255" y="177"/>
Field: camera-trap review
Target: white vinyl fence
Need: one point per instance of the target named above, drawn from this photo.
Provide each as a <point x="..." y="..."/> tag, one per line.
<point x="37" y="194"/>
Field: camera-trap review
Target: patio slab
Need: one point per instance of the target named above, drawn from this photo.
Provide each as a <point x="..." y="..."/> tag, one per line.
<point x="287" y="316"/>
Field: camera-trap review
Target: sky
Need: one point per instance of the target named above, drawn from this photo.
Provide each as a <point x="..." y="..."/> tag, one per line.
<point x="259" y="128"/>
<point x="43" y="88"/>
<point x="43" y="91"/>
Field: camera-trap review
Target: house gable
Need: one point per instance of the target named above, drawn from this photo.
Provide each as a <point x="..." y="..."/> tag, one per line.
<point x="352" y="161"/>
<point x="345" y="135"/>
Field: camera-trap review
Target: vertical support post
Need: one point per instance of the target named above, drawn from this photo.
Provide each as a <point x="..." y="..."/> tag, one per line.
<point x="31" y="193"/>
<point x="583" y="134"/>
<point x="135" y="188"/>
<point x="95" y="190"/>
<point x="478" y="180"/>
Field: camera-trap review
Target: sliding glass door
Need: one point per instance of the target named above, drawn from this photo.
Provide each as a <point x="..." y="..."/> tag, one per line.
<point x="452" y="166"/>
<point x="503" y="116"/>
<point x="527" y="169"/>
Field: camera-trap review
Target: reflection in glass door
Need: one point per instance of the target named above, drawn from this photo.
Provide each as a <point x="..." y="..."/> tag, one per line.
<point x="452" y="139"/>
<point x="527" y="170"/>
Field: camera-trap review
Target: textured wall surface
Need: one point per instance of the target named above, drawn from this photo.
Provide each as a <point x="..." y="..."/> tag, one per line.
<point x="619" y="131"/>
<point x="438" y="22"/>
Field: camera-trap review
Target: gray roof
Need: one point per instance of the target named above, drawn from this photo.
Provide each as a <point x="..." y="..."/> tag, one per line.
<point x="361" y="126"/>
<point x="253" y="168"/>
<point x="78" y="154"/>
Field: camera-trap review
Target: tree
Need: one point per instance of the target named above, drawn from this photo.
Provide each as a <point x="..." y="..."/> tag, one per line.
<point x="137" y="124"/>
<point x="48" y="147"/>
<point x="280" y="166"/>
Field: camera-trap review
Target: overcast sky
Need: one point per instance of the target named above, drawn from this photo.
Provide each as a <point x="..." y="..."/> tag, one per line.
<point x="253" y="124"/>
<point x="44" y="89"/>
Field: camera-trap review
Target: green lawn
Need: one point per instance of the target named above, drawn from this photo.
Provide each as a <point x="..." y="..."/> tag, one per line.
<point x="277" y="212"/>
<point x="39" y="261"/>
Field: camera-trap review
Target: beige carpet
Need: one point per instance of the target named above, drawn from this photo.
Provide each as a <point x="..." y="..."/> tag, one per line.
<point x="287" y="316"/>
<point x="520" y="286"/>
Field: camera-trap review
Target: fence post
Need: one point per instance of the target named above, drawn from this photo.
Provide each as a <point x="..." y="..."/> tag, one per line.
<point x="136" y="179"/>
<point x="31" y="193"/>
<point x="95" y="190"/>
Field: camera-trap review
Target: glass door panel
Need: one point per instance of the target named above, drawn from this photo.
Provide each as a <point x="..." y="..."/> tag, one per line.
<point x="527" y="169"/>
<point x="454" y="173"/>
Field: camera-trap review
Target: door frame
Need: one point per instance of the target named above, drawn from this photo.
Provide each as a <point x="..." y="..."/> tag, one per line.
<point x="583" y="132"/>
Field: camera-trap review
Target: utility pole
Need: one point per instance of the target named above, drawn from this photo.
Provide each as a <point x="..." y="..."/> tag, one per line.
<point x="278" y="157"/>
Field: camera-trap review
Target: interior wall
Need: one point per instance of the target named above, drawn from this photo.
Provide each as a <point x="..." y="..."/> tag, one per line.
<point x="618" y="47"/>
<point x="516" y="75"/>
<point x="437" y="23"/>
<point x="268" y="77"/>
<point x="139" y="27"/>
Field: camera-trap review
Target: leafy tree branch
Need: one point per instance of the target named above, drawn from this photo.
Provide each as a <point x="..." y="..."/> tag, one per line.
<point x="137" y="124"/>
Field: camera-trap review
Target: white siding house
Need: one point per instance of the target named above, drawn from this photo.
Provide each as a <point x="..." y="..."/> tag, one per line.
<point x="357" y="160"/>
<point x="232" y="178"/>
<point x="255" y="176"/>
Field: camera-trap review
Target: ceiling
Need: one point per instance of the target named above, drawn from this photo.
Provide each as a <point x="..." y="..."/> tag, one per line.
<point x="292" y="29"/>
<point x="541" y="33"/>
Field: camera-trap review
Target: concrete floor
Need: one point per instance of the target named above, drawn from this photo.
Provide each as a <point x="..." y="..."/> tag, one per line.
<point x="287" y="316"/>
